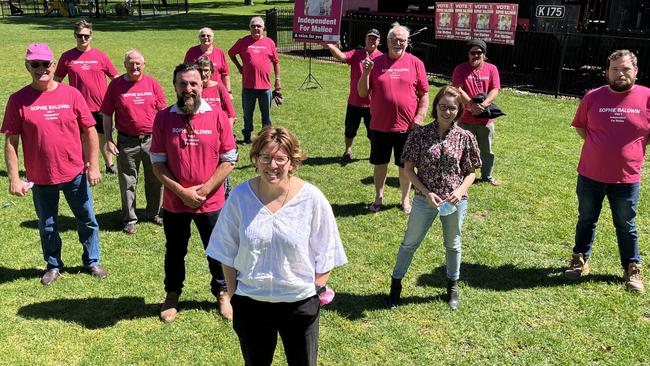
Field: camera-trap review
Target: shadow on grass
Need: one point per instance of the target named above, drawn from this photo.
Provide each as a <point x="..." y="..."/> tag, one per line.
<point x="390" y="181"/>
<point x="328" y="160"/>
<point x="357" y="209"/>
<point x="507" y="277"/>
<point x="21" y="173"/>
<point x="11" y="274"/>
<point x="354" y="307"/>
<point x="108" y="221"/>
<point x="101" y="312"/>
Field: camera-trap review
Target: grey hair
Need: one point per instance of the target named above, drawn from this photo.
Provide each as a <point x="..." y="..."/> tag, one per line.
<point x="256" y="18"/>
<point x="131" y="51"/>
<point x="211" y="30"/>
<point x="395" y="27"/>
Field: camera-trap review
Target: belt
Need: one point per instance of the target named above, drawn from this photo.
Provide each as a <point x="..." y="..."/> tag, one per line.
<point x="140" y="137"/>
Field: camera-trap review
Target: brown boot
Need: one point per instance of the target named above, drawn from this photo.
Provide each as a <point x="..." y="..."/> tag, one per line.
<point x="578" y="267"/>
<point x="225" y="309"/>
<point x="633" y="279"/>
<point x="168" y="309"/>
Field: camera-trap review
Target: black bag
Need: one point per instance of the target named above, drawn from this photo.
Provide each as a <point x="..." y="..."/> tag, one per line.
<point x="492" y="111"/>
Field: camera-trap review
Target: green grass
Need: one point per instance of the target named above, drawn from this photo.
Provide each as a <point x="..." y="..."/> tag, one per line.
<point x="516" y="307"/>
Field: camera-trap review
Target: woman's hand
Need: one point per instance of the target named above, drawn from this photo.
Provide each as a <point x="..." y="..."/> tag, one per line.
<point x="455" y="197"/>
<point x="434" y="199"/>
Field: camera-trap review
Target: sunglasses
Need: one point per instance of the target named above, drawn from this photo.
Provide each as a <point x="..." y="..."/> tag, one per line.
<point x="85" y="37"/>
<point x="36" y="64"/>
<point x="205" y="36"/>
<point x="257" y="26"/>
<point x="476" y="53"/>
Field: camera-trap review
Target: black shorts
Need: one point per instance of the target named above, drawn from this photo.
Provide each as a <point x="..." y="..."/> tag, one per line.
<point x="382" y="143"/>
<point x="353" y="117"/>
<point x="99" y="121"/>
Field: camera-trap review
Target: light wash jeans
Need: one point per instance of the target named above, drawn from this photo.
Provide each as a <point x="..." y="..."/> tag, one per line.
<point x="420" y="220"/>
<point x="79" y="197"/>
<point x="248" y="99"/>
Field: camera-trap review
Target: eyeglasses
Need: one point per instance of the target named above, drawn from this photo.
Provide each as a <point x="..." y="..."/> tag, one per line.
<point x="205" y="36"/>
<point x="398" y="40"/>
<point x="85" y="37"/>
<point x="36" y="64"/>
<point x="476" y="53"/>
<point x="450" y="108"/>
<point x="257" y="26"/>
<point x="267" y="159"/>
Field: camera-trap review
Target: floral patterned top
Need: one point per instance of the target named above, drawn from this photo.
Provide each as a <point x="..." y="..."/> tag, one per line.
<point x="442" y="164"/>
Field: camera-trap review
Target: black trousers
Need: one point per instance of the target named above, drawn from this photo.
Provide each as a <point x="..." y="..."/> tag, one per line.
<point x="257" y="324"/>
<point x="177" y="234"/>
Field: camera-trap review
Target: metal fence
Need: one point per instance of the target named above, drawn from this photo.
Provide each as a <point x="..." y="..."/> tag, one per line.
<point x="553" y="63"/>
<point x="92" y="8"/>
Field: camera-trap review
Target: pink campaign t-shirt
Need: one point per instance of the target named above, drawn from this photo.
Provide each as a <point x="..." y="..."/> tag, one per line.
<point x="217" y="56"/>
<point x="192" y="158"/>
<point x="87" y="71"/>
<point x="355" y="59"/>
<point x="135" y="104"/>
<point x="48" y="124"/>
<point x="257" y="58"/>
<point x="219" y="101"/>
<point x="394" y="86"/>
<point x="617" y="127"/>
<point x="475" y="81"/>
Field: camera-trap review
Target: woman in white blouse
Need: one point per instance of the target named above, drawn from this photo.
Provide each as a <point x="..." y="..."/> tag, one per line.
<point x="277" y="240"/>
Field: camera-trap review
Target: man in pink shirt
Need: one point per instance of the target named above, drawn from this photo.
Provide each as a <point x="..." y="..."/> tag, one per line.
<point x="399" y="98"/>
<point x="614" y="122"/>
<point x="258" y="54"/>
<point x="87" y="69"/>
<point x="474" y="77"/>
<point x="193" y="151"/>
<point x="47" y="116"/>
<point x="357" y="107"/>
<point x="206" y="48"/>
<point x="134" y="98"/>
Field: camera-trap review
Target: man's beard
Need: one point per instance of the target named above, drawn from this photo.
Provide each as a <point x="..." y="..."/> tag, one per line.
<point x="188" y="103"/>
<point x="621" y="85"/>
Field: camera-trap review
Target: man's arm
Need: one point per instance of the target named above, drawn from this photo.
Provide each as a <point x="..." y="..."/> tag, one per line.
<point x="276" y="71"/>
<point x="336" y="52"/>
<point x="11" y="158"/>
<point x="232" y="54"/>
<point x="92" y="148"/>
<point x="363" y="86"/>
<point x="217" y="178"/>
<point x="581" y="132"/>
<point x="423" y="106"/>
<point x="189" y="195"/>
<point x="491" y="96"/>
<point x="226" y="83"/>
<point x="108" y="133"/>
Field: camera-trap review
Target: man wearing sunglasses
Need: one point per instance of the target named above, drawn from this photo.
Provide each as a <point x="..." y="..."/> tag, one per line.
<point x="258" y="54"/>
<point x="87" y="69"/>
<point x="206" y="48"/>
<point x="193" y="151"/>
<point x="47" y="116"/>
<point x="474" y="77"/>
<point x="134" y="98"/>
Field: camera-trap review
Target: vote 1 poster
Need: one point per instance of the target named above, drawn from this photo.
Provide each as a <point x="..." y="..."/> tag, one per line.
<point x="493" y="23"/>
<point x="317" y="21"/>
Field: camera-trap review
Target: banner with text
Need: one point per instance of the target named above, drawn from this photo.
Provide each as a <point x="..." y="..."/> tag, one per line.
<point x="317" y="21"/>
<point x="493" y="23"/>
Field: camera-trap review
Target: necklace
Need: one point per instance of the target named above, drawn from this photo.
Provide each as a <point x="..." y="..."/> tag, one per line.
<point x="286" y="195"/>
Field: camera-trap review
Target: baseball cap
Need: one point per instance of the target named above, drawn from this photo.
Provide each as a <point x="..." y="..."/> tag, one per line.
<point x="373" y="32"/>
<point x="39" y="51"/>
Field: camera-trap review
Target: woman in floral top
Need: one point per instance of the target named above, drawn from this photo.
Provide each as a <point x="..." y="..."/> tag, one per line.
<point x="445" y="156"/>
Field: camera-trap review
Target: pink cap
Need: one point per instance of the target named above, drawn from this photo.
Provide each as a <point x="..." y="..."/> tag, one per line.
<point x="39" y="51"/>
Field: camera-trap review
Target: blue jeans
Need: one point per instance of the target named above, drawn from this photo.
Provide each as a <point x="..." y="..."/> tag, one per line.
<point x="623" y="199"/>
<point x="420" y="220"/>
<point x="80" y="199"/>
<point x="248" y="99"/>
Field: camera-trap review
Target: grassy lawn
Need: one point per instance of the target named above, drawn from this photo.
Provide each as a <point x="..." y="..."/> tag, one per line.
<point x="516" y="308"/>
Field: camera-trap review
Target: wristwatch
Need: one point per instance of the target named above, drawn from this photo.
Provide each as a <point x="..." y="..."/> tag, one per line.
<point x="320" y="289"/>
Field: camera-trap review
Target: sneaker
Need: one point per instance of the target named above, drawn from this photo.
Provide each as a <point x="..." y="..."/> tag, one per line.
<point x="50" y="276"/>
<point x="129" y="229"/>
<point x="168" y="310"/>
<point x="110" y="169"/>
<point x="453" y="297"/>
<point x="577" y="267"/>
<point x="493" y="181"/>
<point x="225" y="309"/>
<point x="633" y="279"/>
<point x="158" y="220"/>
<point x="98" y="271"/>
<point x="346" y="158"/>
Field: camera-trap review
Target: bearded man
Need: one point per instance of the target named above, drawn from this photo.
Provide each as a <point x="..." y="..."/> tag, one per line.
<point x="192" y="151"/>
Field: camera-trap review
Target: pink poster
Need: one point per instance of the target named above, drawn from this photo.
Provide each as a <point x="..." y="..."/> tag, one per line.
<point x="317" y="21"/>
<point x="493" y="23"/>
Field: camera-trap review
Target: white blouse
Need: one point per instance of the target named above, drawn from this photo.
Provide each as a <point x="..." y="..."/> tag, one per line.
<point x="277" y="255"/>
